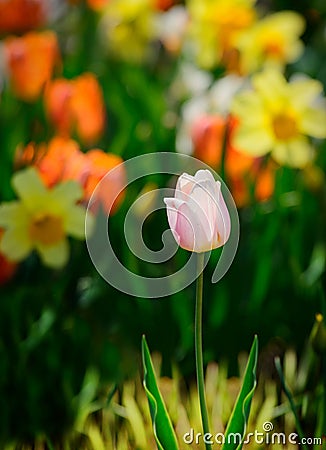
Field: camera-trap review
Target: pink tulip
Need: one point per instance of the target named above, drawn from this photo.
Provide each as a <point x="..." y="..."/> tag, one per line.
<point x="197" y="215"/>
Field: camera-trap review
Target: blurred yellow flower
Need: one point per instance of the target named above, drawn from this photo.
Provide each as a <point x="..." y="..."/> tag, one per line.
<point x="41" y="219"/>
<point x="129" y="26"/>
<point x="214" y="26"/>
<point x="273" y="40"/>
<point x="278" y="117"/>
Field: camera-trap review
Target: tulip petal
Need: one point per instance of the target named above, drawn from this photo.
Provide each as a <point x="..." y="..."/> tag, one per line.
<point x="223" y="221"/>
<point x="198" y="216"/>
<point x="185" y="225"/>
<point x="184" y="186"/>
<point x="193" y="235"/>
<point x="204" y="175"/>
<point x="172" y="205"/>
<point x="203" y="202"/>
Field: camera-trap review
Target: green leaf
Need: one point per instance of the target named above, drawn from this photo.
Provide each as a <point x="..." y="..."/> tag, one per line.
<point x="162" y="426"/>
<point x="236" y="429"/>
<point x="291" y="400"/>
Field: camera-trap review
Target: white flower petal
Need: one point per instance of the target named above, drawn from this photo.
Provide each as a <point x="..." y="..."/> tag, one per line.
<point x="189" y="228"/>
<point x="204" y="203"/>
<point x="184" y="185"/>
<point x="199" y="220"/>
<point x="223" y="222"/>
<point x="172" y="205"/>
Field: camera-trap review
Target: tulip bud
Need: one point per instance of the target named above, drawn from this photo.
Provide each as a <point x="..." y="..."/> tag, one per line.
<point x="197" y="214"/>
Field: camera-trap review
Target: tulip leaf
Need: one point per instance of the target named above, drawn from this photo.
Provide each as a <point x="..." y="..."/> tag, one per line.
<point x="236" y="428"/>
<point x="162" y="426"/>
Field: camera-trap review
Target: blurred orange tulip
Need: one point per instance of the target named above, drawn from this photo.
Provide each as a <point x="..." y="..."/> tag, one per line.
<point x="208" y="134"/>
<point x="54" y="162"/>
<point x="164" y="5"/>
<point x="19" y="16"/>
<point x="62" y="160"/>
<point x="31" y="60"/>
<point x="7" y="268"/>
<point x="108" y="194"/>
<point x="76" y="105"/>
<point x="97" y="5"/>
<point x="242" y="170"/>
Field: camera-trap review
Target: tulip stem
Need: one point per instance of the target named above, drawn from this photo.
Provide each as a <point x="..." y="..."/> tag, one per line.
<point x="199" y="351"/>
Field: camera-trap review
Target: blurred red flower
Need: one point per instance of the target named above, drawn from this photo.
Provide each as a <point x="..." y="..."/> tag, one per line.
<point x="164" y="5"/>
<point x="19" y="16"/>
<point x="31" y="60"/>
<point x="7" y="268"/>
<point x="97" y="5"/>
<point x="76" y="105"/>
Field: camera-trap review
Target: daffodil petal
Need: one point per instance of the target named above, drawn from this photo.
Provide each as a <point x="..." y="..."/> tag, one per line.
<point x="13" y="214"/>
<point x="15" y="244"/>
<point x="29" y="187"/>
<point x="271" y="86"/>
<point x="67" y="192"/>
<point x="313" y="123"/>
<point x="295" y="153"/>
<point x="304" y="91"/>
<point x="55" y="256"/>
<point x="252" y="141"/>
<point x="75" y="222"/>
<point x="248" y="101"/>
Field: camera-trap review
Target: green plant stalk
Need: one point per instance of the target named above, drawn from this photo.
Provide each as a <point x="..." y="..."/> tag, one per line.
<point x="323" y="360"/>
<point x="291" y="401"/>
<point x="323" y="363"/>
<point x="49" y="443"/>
<point x="199" y="348"/>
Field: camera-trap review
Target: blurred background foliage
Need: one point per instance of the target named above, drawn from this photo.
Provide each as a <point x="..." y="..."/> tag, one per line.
<point x="57" y="325"/>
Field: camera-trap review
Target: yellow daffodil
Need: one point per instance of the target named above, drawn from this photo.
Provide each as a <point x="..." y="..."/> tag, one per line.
<point x="129" y="27"/>
<point x="272" y="41"/>
<point x="41" y="219"/>
<point x="279" y="117"/>
<point x="213" y="27"/>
